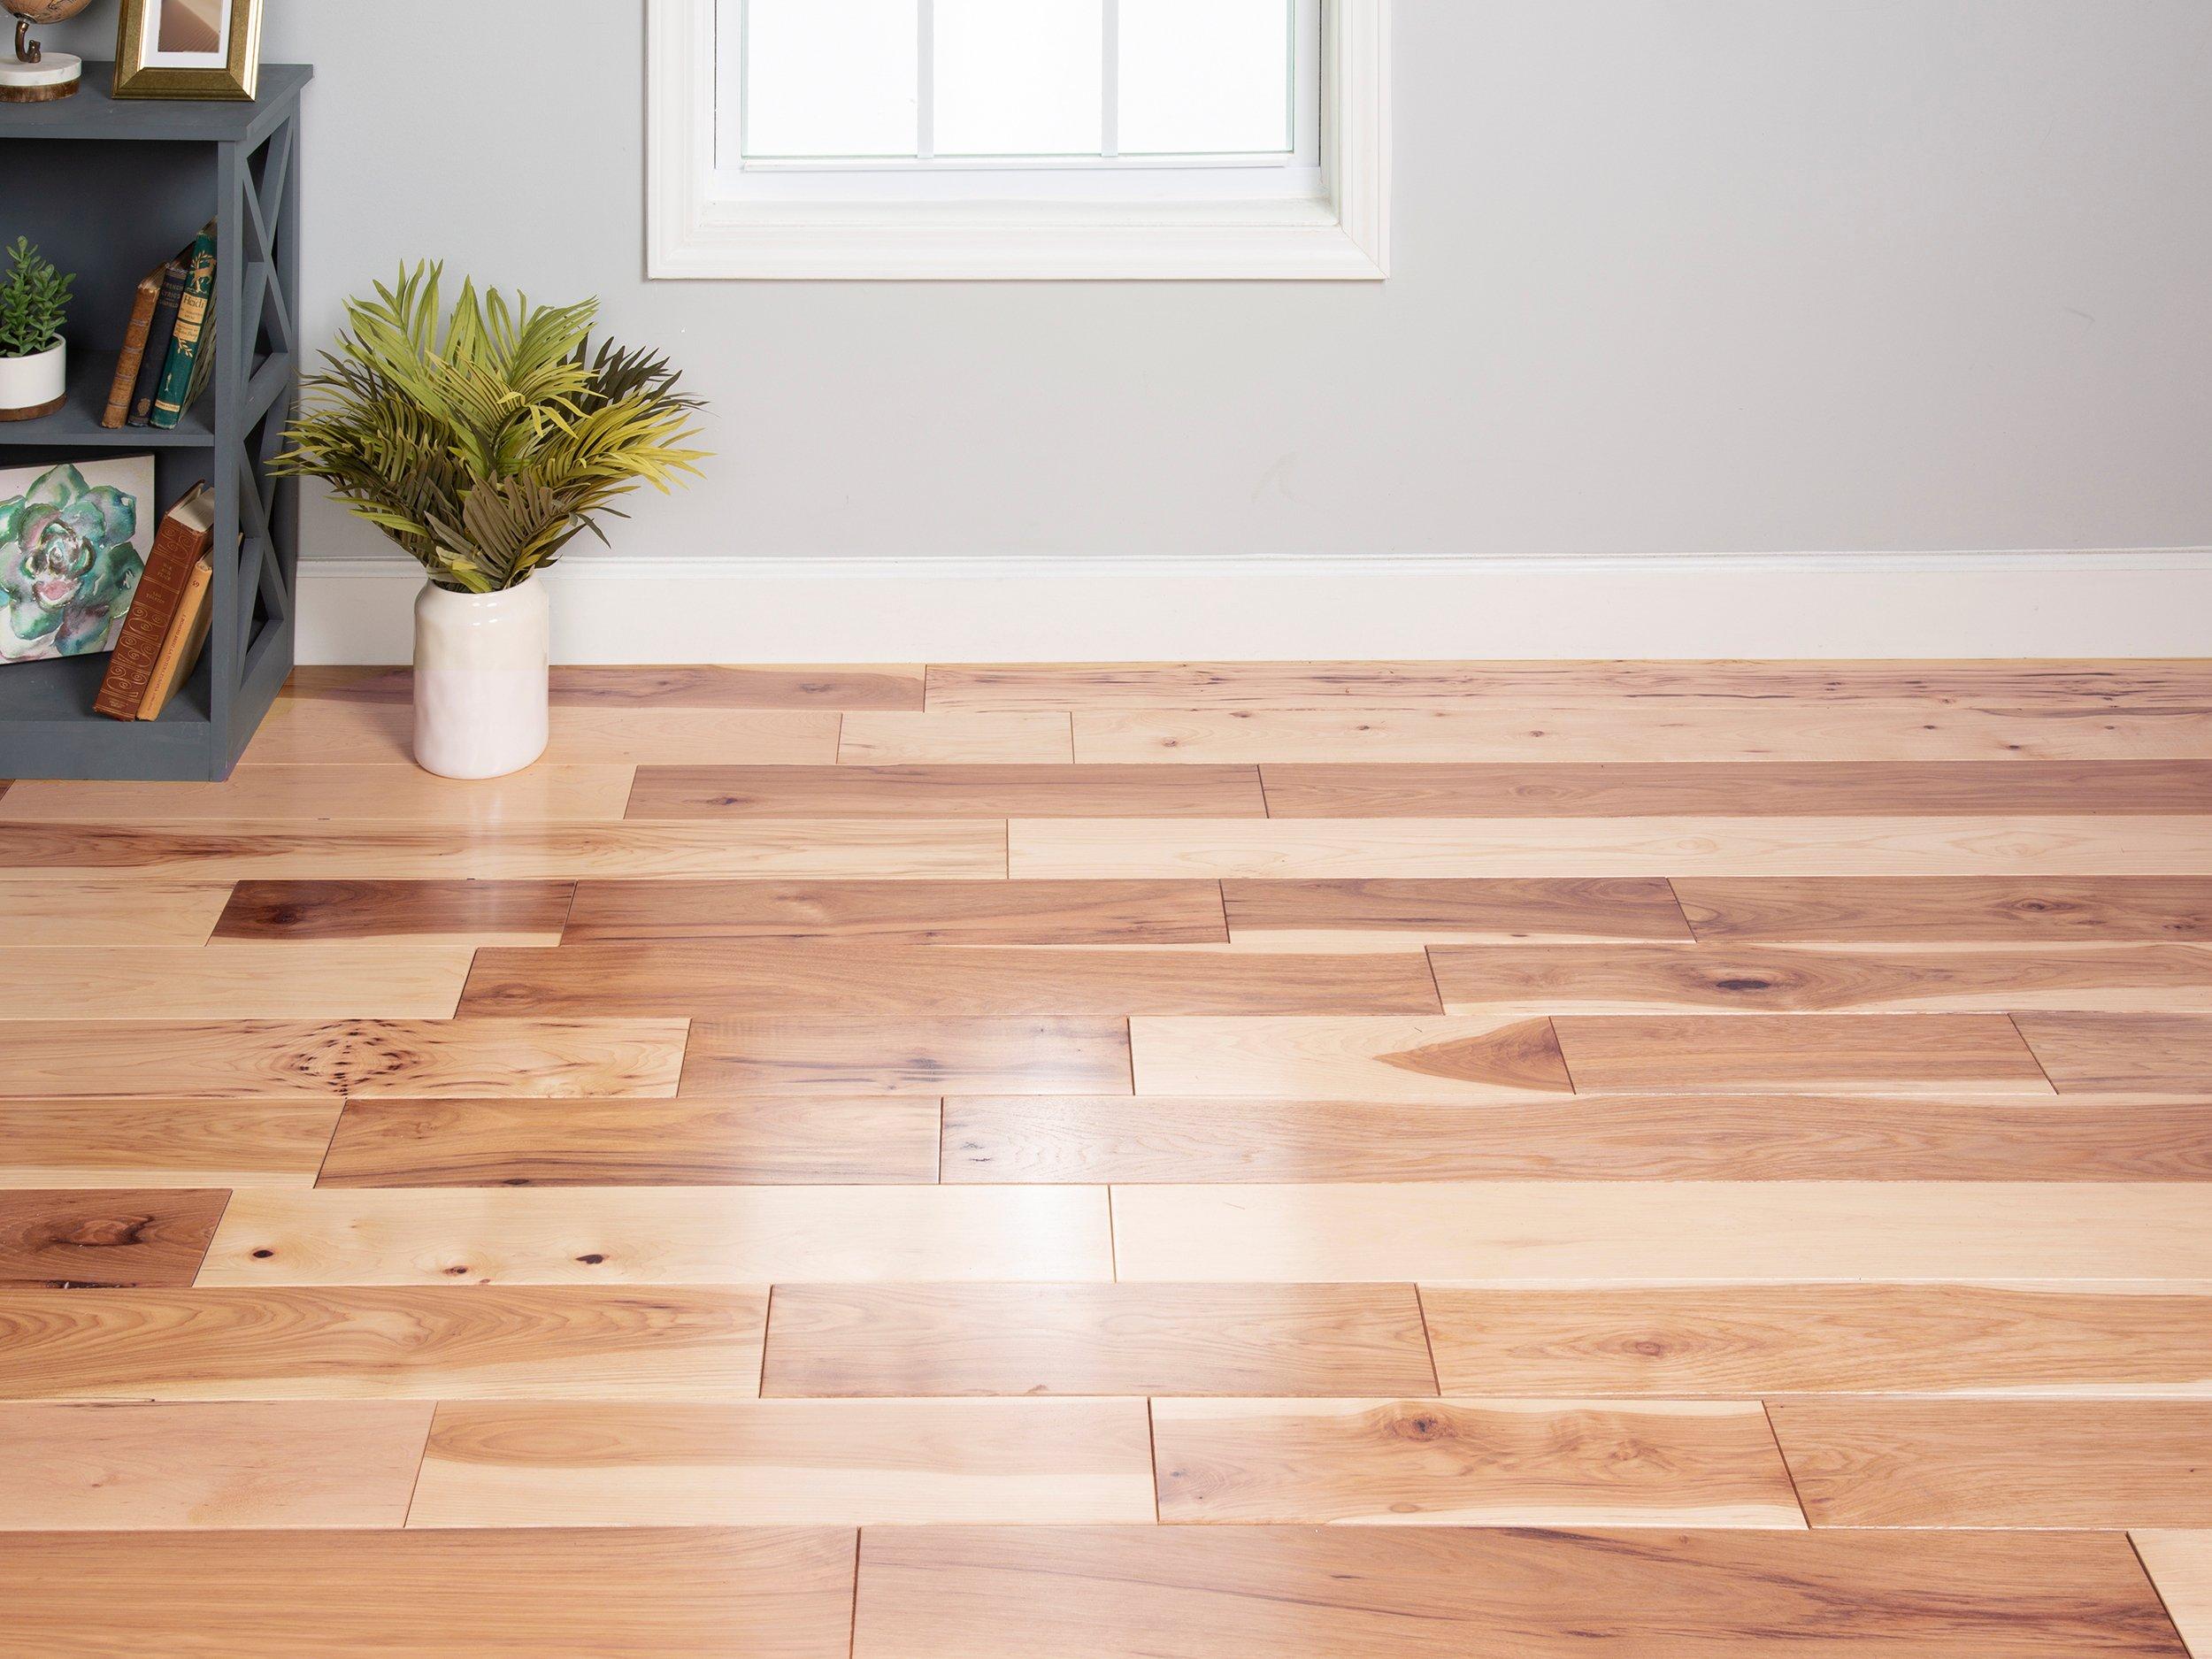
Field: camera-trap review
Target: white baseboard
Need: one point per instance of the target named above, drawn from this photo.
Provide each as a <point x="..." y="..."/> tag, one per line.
<point x="2146" y="602"/>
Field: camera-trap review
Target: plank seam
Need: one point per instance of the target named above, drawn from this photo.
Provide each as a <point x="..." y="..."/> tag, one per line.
<point x="2157" y="1594"/>
<point x="767" y="1323"/>
<point x="1436" y="988"/>
<point x="1421" y="1307"/>
<point x="1152" y="1445"/>
<point x="1560" y="1049"/>
<point x="345" y="1104"/>
<point x="2048" y="1081"/>
<point x="429" y="1429"/>
<point x="1775" y="1434"/>
<point x="1682" y="911"/>
<point x="200" y="1266"/>
<point x="852" y="1610"/>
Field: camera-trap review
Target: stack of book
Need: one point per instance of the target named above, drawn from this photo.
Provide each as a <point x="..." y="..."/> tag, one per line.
<point x="167" y="626"/>
<point x="169" y="346"/>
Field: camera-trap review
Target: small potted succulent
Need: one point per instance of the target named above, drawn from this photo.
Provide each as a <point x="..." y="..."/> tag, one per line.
<point x="483" y="442"/>
<point x="34" y="362"/>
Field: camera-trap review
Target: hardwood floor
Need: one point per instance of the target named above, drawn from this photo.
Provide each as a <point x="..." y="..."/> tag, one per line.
<point x="1446" y="1593"/>
<point x="1263" y="1160"/>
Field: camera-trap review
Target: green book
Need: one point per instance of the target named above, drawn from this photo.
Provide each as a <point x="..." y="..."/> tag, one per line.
<point x="174" y="392"/>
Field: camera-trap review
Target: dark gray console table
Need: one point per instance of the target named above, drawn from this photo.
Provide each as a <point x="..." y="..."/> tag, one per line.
<point x="108" y="189"/>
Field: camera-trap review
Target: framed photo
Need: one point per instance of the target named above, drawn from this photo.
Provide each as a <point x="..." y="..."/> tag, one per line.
<point x="74" y="541"/>
<point x="188" y="48"/>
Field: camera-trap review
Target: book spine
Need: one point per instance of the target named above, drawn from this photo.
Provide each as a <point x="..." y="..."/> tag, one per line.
<point x="177" y="548"/>
<point x="181" y="649"/>
<point x="159" y="334"/>
<point x="133" y="354"/>
<point x="175" y="386"/>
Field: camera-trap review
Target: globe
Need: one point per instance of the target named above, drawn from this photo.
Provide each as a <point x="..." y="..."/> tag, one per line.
<point x="45" y="11"/>
<point x="27" y="74"/>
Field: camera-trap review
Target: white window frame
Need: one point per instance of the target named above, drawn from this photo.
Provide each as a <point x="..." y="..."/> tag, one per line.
<point x="696" y="229"/>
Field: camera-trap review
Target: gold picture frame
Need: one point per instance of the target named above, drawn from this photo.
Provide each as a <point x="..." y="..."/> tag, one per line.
<point x="212" y="49"/>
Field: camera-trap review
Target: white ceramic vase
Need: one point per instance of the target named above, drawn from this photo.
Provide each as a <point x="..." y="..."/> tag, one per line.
<point x="34" y="384"/>
<point x="480" y="681"/>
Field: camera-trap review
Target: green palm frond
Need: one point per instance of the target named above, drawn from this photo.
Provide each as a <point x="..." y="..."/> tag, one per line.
<point x="483" y="440"/>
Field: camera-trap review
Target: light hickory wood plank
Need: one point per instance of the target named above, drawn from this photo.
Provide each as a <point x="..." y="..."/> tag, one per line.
<point x="730" y="978"/>
<point x="2002" y="789"/>
<point x="1725" y="978"/>
<point x="1436" y="1058"/>
<point x="693" y="1593"/>
<point x="301" y="732"/>
<point x="429" y="1342"/>
<point x="94" y="912"/>
<point x="1444" y="1593"/>
<point x="1740" y="1138"/>
<point x="2180" y="1565"/>
<point x="137" y="1466"/>
<point x="913" y="740"/>
<point x="163" y="1142"/>
<point x="1949" y="909"/>
<point x="1907" y="1054"/>
<point x="507" y="851"/>
<point x="1559" y="910"/>
<point x="784" y="1462"/>
<point x="1632" y="730"/>
<point x="2153" y="1052"/>
<point x="1429" y="849"/>
<point x="1749" y="1340"/>
<point x="667" y="686"/>
<point x="404" y="794"/>
<point x="288" y="1059"/>
<point x="1016" y="1340"/>
<point x="477" y="912"/>
<point x="606" y="1143"/>
<point x="1999" y="1462"/>
<point x="658" y="1235"/>
<point x="805" y="1056"/>
<point x="1056" y="790"/>
<point x="112" y="1236"/>
<point x="1655" y="1233"/>
<point x="1487" y="1462"/>
<point x="2143" y="686"/>
<point x="250" y="980"/>
<point x="909" y="913"/>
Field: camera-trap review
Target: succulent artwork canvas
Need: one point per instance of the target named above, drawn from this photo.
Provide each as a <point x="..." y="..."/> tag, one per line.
<point x="73" y="541"/>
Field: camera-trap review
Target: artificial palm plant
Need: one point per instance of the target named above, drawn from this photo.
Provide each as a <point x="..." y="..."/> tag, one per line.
<point x="483" y="442"/>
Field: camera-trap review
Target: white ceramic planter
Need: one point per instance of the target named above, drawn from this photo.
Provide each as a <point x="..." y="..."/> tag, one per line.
<point x="480" y="691"/>
<point x="34" y="386"/>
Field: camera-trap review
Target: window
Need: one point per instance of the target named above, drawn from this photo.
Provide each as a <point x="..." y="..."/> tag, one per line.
<point x="1017" y="138"/>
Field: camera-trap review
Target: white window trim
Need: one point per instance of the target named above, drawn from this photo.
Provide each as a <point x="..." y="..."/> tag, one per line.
<point x="692" y="232"/>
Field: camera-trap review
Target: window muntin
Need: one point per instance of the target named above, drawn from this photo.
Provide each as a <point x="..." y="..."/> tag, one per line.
<point x="897" y="87"/>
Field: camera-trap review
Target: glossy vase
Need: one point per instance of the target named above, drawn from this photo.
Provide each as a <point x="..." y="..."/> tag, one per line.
<point x="480" y="691"/>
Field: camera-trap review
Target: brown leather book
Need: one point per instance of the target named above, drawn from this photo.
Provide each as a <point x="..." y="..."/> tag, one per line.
<point x="126" y="366"/>
<point x="186" y="533"/>
<point x="187" y="635"/>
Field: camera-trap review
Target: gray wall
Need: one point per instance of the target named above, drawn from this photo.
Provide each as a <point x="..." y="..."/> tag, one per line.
<point x="1671" y="275"/>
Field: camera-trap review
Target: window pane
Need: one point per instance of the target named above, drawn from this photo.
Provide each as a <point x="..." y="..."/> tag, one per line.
<point x="1020" y="77"/>
<point x="1200" y="76"/>
<point x="831" y="77"/>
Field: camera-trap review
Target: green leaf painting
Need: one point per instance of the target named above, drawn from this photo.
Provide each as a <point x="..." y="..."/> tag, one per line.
<point x="69" y="556"/>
